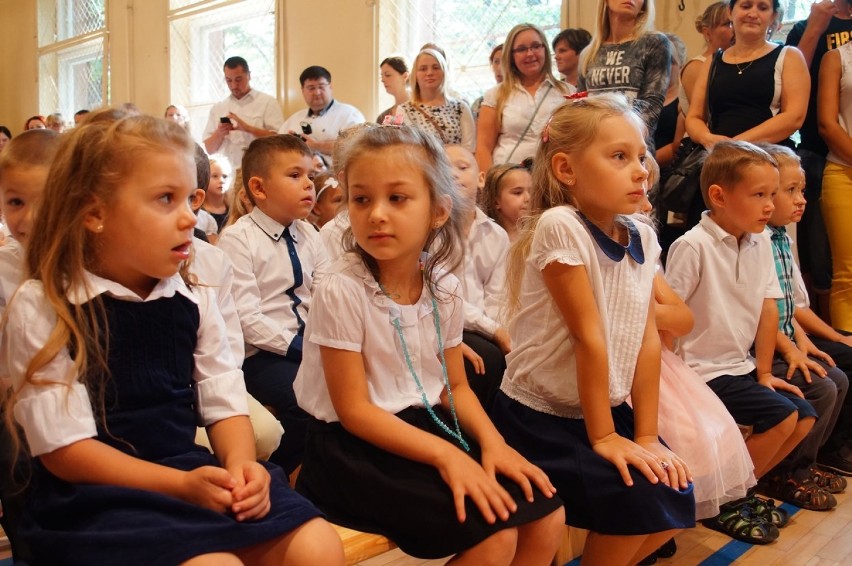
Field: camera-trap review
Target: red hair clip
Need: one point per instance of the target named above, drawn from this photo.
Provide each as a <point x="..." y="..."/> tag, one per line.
<point x="576" y="95"/>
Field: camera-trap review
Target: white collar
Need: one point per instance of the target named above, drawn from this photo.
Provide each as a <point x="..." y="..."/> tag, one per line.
<point x="94" y="285"/>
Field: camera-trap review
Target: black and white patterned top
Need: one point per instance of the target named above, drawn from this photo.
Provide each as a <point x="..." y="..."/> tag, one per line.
<point x="454" y="119"/>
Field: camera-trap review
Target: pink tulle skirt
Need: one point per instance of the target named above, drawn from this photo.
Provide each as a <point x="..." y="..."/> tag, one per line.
<point x="698" y="428"/>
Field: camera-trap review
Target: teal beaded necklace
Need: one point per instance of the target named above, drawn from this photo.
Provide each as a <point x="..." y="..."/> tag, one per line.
<point x="436" y="318"/>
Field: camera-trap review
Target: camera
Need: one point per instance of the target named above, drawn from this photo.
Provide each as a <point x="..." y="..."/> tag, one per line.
<point x="306" y="128"/>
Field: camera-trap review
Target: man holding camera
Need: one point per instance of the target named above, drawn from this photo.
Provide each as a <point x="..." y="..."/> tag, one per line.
<point x="245" y="115"/>
<point x="319" y="123"/>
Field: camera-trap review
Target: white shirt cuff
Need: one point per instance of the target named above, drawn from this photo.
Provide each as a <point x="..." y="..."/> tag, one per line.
<point x="55" y="417"/>
<point x="221" y="397"/>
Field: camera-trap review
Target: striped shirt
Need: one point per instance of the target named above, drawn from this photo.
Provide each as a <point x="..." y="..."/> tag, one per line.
<point x="783" y="256"/>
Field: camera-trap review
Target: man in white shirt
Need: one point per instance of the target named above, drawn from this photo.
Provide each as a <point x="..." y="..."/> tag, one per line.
<point x="245" y="115"/>
<point x="320" y="122"/>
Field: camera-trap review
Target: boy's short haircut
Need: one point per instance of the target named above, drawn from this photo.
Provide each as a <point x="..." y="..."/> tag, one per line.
<point x="33" y="148"/>
<point x="262" y="151"/>
<point x="726" y="162"/>
<point x="202" y="168"/>
<point x="783" y="155"/>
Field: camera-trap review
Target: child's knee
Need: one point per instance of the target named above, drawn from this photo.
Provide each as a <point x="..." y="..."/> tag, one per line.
<point x="497" y="549"/>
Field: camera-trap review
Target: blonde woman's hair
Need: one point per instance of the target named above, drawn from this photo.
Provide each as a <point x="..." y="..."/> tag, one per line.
<point x="427" y="153"/>
<point x="416" y="95"/>
<point x="511" y="75"/>
<point x="785" y="156"/>
<point x="237" y="207"/>
<point x="712" y="16"/>
<point x="571" y="129"/>
<point x="644" y="24"/>
<point x="89" y="167"/>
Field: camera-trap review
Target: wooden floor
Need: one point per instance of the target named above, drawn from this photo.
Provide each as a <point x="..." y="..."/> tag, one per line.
<point x="811" y="539"/>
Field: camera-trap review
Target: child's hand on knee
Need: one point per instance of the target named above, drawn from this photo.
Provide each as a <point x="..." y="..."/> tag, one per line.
<point x="775" y="384"/>
<point x="251" y="495"/>
<point x="505" y="460"/>
<point x="675" y="472"/>
<point x="467" y="478"/>
<point x="209" y="487"/>
<point x="623" y="452"/>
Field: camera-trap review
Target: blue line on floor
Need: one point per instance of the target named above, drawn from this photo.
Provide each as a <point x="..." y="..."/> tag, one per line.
<point x="722" y="557"/>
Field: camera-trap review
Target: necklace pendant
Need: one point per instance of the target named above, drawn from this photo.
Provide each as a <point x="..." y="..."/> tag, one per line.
<point x="739" y="72"/>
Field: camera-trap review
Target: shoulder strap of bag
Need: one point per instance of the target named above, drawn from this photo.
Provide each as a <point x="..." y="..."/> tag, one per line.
<point x="714" y="64"/>
<point x="432" y="121"/>
<point x="529" y="124"/>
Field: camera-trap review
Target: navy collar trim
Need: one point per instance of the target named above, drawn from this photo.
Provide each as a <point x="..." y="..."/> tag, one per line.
<point x="614" y="250"/>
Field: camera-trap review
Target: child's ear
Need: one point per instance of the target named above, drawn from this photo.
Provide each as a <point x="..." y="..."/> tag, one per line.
<point x="716" y="196"/>
<point x="255" y="186"/>
<point x="95" y="217"/>
<point x="563" y="169"/>
<point x="480" y="183"/>
<point x="441" y="211"/>
<point x="197" y="199"/>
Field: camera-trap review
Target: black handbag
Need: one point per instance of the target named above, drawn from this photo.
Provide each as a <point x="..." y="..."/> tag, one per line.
<point x="684" y="182"/>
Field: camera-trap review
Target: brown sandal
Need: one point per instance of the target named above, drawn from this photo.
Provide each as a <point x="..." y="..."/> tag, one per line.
<point x="828" y="481"/>
<point x="805" y="494"/>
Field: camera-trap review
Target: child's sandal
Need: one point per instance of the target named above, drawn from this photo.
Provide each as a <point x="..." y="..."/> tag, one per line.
<point x="742" y="524"/>
<point x="766" y="509"/>
<point x="828" y="481"/>
<point x="805" y="494"/>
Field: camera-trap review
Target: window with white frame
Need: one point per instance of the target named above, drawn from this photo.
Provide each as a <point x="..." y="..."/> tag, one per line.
<point x="202" y="34"/>
<point x="72" y="43"/>
<point x="467" y="31"/>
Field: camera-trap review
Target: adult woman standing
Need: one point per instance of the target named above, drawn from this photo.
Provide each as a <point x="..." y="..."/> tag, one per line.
<point x="514" y="112"/>
<point x="759" y="91"/>
<point x="394" y="73"/>
<point x="430" y="108"/>
<point x="715" y="26"/>
<point x="627" y="56"/>
<point x="834" y="111"/>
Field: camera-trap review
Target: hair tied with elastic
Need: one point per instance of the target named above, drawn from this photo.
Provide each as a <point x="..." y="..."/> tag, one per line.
<point x="396" y="120"/>
<point x="545" y="133"/>
<point x="576" y="96"/>
<point x="331" y="182"/>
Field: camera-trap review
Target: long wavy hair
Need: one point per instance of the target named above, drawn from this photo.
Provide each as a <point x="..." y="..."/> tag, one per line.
<point x="511" y="74"/>
<point x="644" y="24"/>
<point x="89" y="167"/>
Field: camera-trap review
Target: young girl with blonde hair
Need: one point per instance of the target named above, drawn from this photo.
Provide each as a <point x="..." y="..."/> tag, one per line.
<point x="584" y="338"/>
<point x="114" y="356"/>
<point x="399" y="444"/>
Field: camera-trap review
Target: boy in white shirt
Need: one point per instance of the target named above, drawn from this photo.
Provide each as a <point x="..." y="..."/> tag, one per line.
<point x="277" y="257"/>
<point x="723" y="270"/>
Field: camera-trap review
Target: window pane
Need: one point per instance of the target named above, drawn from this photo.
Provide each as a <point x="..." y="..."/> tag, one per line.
<point x="72" y="79"/>
<point x="467" y="31"/>
<point x="200" y="43"/>
<point x="59" y="20"/>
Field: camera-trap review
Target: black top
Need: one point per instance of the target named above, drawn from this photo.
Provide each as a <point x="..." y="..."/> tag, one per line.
<point x="836" y="34"/>
<point x="741" y="95"/>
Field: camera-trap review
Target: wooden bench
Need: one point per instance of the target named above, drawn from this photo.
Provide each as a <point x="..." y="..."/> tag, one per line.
<point x="358" y="546"/>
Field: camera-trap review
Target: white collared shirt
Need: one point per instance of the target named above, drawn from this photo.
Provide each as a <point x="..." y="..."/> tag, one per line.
<point x="541" y="369"/>
<point x="724" y="283"/>
<point x="350" y="312"/>
<point x="11" y="270"/>
<point x="484" y="279"/>
<point x="213" y="269"/>
<point x="263" y="273"/>
<point x="255" y="108"/>
<point x="517" y="112"/>
<point x="54" y="415"/>
<point x="324" y="127"/>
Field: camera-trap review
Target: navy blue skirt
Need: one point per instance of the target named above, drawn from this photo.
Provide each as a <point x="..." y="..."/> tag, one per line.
<point x="596" y="497"/>
<point x="78" y="524"/>
<point x="363" y="487"/>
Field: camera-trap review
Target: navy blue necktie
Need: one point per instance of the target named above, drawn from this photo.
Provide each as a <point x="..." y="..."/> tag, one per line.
<point x="297" y="278"/>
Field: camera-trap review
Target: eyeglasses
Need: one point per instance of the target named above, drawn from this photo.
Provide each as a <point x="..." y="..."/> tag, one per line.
<point x="521" y="49"/>
<point x="317" y="87"/>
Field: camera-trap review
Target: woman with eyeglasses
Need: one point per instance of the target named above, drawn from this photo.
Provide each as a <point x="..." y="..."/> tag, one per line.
<point x="627" y="56"/>
<point x="514" y="112"/>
